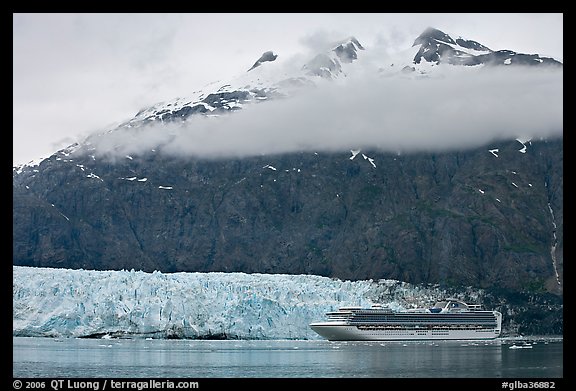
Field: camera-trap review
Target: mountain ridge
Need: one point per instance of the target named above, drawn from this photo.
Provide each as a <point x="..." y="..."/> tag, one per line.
<point x="437" y="46"/>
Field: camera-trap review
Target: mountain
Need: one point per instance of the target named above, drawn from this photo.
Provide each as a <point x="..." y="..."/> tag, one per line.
<point x="468" y="217"/>
<point x="256" y="85"/>
<point x="488" y="216"/>
<point x="438" y="47"/>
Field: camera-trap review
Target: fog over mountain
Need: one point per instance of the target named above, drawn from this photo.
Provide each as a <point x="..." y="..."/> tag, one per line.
<point x="99" y="69"/>
<point x="444" y="112"/>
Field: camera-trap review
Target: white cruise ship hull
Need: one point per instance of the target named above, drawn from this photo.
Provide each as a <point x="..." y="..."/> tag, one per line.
<point x="449" y="319"/>
<point x="344" y="332"/>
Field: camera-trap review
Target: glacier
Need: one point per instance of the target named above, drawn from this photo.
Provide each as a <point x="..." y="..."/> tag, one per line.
<point x="135" y="304"/>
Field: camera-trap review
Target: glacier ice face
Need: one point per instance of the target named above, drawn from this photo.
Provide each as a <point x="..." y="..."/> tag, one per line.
<point x="80" y="303"/>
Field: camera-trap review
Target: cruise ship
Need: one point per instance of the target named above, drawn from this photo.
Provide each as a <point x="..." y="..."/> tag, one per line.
<point x="448" y="319"/>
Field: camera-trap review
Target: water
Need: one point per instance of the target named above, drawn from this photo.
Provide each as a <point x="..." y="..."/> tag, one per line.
<point x="140" y="358"/>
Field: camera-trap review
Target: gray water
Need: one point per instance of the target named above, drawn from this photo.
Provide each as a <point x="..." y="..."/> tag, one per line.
<point x="141" y="358"/>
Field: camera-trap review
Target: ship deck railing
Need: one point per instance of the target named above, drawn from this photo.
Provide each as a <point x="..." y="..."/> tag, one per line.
<point x="428" y="327"/>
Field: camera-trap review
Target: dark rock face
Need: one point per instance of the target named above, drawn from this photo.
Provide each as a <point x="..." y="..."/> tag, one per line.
<point x="454" y="218"/>
<point x="346" y="52"/>
<point x="469" y="44"/>
<point x="508" y="57"/>
<point x="527" y="312"/>
<point x="431" y="35"/>
<point x="267" y="56"/>
<point x="221" y="102"/>
<point x="182" y="113"/>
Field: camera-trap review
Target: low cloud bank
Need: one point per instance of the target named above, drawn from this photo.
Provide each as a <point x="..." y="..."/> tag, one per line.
<point x="450" y="110"/>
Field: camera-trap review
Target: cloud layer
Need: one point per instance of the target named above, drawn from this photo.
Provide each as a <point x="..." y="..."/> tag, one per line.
<point x="456" y="109"/>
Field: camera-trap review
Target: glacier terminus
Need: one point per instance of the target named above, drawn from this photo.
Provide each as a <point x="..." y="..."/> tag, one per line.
<point x="134" y="304"/>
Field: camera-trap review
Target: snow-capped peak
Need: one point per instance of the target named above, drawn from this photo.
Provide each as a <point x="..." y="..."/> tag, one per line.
<point x="438" y="47"/>
<point x="347" y="50"/>
<point x="329" y="65"/>
<point x="257" y="84"/>
<point x="431" y="35"/>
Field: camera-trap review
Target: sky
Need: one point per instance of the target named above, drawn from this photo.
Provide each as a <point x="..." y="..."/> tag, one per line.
<point x="75" y="74"/>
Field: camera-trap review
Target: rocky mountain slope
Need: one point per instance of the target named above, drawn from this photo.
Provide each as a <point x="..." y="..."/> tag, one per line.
<point x="466" y="217"/>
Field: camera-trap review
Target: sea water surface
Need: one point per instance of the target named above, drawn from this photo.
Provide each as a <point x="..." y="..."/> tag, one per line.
<point x="156" y="358"/>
